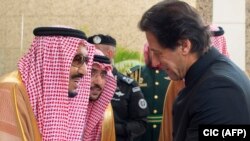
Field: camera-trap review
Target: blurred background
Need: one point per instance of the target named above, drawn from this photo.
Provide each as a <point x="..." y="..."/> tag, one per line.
<point x="118" y="18"/>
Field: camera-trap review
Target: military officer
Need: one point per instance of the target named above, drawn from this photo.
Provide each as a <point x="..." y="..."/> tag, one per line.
<point x="153" y="83"/>
<point x="129" y="105"/>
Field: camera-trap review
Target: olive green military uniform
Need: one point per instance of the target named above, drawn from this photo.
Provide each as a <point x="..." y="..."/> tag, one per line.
<point x="153" y="83"/>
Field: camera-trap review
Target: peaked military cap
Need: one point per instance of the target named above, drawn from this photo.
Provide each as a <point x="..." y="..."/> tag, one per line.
<point x="102" y="39"/>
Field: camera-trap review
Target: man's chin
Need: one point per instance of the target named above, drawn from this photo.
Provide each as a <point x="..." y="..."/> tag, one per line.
<point x="94" y="98"/>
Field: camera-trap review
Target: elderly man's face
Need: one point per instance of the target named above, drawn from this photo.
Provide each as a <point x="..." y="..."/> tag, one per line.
<point x="98" y="80"/>
<point x="78" y="68"/>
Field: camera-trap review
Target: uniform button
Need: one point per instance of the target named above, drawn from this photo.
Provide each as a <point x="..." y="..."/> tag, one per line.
<point x="154" y="126"/>
<point x="156" y="83"/>
<point x="156" y="97"/>
<point x="155" y="111"/>
<point x="156" y="71"/>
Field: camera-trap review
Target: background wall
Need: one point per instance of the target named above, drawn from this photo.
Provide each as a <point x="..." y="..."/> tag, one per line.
<point x="118" y="18"/>
<point x="205" y="8"/>
<point x="248" y="36"/>
<point x="232" y="18"/>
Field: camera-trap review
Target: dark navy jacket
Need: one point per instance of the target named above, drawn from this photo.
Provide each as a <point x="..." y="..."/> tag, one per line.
<point x="217" y="92"/>
<point x="130" y="108"/>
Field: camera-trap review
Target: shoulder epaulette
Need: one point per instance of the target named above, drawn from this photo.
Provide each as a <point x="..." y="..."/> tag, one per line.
<point x="133" y="69"/>
<point x="125" y="78"/>
<point x="134" y="72"/>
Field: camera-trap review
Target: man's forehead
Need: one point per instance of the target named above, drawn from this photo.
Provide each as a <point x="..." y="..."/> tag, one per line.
<point x="98" y="66"/>
<point x="100" y="46"/>
<point x="82" y="50"/>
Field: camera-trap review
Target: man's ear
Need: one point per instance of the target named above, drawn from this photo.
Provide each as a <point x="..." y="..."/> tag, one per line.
<point x="110" y="53"/>
<point x="185" y="46"/>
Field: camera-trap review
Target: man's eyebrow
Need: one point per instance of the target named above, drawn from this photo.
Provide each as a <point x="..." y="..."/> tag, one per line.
<point x="81" y="54"/>
<point x="93" y="69"/>
<point x="153" y="49"/>
<point x="78" y="54"/>
<point x="104" y="71"/>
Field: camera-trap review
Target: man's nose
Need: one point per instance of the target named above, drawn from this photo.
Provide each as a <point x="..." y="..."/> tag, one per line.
<point x="155" y="61"/>
<point x="97" y="78"/>
<point x="83" y="69"/>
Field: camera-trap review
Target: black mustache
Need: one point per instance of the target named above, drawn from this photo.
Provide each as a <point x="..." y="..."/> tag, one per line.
<point x="77" y="76"/>
<point x="96" y="86"/>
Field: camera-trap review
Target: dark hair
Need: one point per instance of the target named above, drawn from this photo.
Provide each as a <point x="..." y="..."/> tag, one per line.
<point x="172" y="21"/>
<point x="103" y="39"/>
